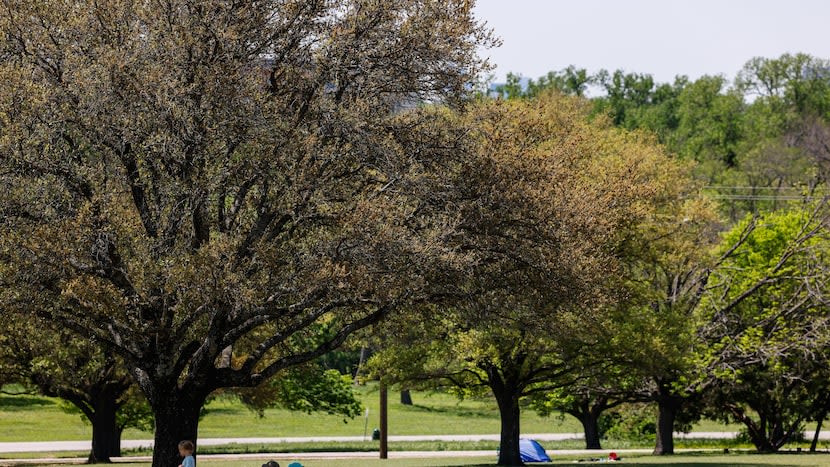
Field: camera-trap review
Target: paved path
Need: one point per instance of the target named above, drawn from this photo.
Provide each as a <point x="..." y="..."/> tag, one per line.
<point x="301" y="456"/>
<point x="47" y="446"/>
<point x="53" y="446"/>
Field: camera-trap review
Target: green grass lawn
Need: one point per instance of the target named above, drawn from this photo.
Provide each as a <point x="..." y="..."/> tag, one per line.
<point x="372" y="446"/>
<point x="430" y="414"/>
<point x="685" y="460"/>
<point x="32" y="418"/>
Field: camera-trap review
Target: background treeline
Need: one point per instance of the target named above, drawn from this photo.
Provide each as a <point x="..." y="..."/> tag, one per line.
<point x="758" y="141"/>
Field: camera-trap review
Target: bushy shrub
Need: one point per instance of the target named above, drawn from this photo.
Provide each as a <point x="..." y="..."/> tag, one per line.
<point x="632" y="422"/>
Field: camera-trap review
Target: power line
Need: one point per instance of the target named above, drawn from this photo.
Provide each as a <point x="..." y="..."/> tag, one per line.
<point x="770" y="193"/>
<point x="759" y="188"/>
<point x="766" y="197"/>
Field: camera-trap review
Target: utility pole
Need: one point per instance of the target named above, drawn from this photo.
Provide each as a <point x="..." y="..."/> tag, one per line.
<point x="384" y="451"/>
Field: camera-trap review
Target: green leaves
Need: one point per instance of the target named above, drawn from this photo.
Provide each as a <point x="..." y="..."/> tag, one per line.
<point x="307" y="389"/>
<point x="765" y="343"/>
<point x="557" y="212"/>
<point x="774" y="254"/>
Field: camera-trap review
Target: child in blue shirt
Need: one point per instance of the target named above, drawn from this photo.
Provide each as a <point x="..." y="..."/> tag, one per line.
<point x="186" y="449"/>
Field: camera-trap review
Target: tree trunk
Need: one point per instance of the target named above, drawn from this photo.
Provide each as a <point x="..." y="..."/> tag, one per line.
<point x="100" y="405"/>
<point x="406" y="397"/>
<point x="819" y="421"/>
<point x="106" y="434"/>
<point x="588" y="410"/>
<point x="590" y="425"/>
<point x="777" y="436"/>
<point x="509" y="453"/>
<point x="668" y="405"/>
<point x="177" y="419"/>
<point x="762" y="443"/>
<point x="757" y="432"/>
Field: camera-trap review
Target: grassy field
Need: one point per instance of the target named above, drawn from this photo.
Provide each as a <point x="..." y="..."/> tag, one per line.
<point x="259" y="450"/>
<point x="685" y="460"/>
<point x="32" y="418"/>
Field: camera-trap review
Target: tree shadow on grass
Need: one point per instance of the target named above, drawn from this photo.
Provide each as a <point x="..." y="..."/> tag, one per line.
<point x="23" y="402"/>
<point x="693" y="464"/>
<point x="456" y="411"/>
<point x="699" y="459"/>
<point x="225" y="410"/>
<point x="649" y="464"/>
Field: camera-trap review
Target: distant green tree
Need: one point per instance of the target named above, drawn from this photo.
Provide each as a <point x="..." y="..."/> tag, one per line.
<point x="783" y="126"/>
<point x="571" y="81"/>
<point x="625" y="93"/>
<point x="662" y="116"/>
<point x="307" y="388"/>
<point x="709" y="124"/>
<point x="512" y="88"/>
<point x="800" y="82"/>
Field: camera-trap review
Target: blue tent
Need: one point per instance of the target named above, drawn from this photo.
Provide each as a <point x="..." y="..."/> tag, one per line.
<point x="532" y="451"/>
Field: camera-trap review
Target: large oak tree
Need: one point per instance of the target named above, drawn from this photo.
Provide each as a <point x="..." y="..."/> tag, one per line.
<point x="207" y="187"/>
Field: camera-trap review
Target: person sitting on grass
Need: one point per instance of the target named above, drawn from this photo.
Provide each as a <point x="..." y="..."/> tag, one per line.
<point x="186" y="449"/>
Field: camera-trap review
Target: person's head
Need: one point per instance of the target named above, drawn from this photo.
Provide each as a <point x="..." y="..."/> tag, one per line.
<point x="186" y="448"/>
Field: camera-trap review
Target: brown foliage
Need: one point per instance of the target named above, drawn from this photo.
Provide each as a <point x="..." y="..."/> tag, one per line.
<point x="184" y="176"/>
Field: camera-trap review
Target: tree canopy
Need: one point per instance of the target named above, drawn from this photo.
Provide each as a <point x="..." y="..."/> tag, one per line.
<point x="189" y="179"/>
<point x="549" y="204"/>
<point x="213" y="195"/>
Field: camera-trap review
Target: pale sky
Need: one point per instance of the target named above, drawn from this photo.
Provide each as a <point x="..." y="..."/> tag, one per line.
<point x="661" y="37"/>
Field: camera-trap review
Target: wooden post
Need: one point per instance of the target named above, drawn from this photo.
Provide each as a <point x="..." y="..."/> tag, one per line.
<point x="384" y="451"/>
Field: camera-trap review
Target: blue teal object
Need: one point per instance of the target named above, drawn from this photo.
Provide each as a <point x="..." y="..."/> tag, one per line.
<point x="295" y="464"/>
<point x="531" y="451"/>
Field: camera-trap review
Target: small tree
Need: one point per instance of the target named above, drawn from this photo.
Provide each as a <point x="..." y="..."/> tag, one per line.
<point x="767" y="332"/>
<point x="57" y="363"/>
<point x="586" y="401"/>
